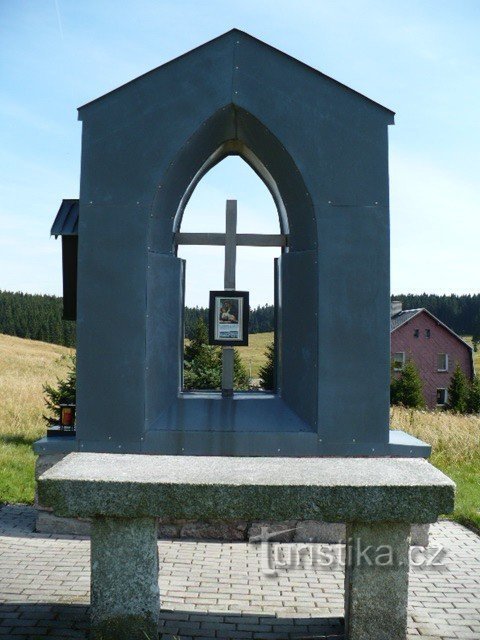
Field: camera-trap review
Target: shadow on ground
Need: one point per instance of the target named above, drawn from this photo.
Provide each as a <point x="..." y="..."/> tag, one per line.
<point x="25" y="621"/>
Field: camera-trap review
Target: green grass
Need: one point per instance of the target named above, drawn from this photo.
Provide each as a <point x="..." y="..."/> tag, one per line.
<point x="455" y="444"/>
<point x="25" y="365"/>
<point x="17" y="464"/>
<point x="467" y="502"/>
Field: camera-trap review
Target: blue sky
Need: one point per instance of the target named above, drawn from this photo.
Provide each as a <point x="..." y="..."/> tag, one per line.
<point x="421" y="59"/>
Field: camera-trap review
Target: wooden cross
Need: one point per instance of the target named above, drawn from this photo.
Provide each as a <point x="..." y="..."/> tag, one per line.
<point x="230" y="240"/>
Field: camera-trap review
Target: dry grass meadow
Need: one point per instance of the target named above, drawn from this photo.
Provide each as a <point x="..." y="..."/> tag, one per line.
<point x="455" y="444"/>
<point x="253" y="356"/>
<point x="25" y="365"/>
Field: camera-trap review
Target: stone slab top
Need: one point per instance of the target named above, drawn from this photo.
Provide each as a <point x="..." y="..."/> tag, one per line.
<point x="254" y="488"/>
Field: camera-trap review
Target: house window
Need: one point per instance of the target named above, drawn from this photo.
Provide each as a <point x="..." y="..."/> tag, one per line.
<point x="398" y="361"/>
<point x="427" y="333"/>
<point x="442" y="362"/>
<point x="442" y="397"/>
<point x="416" y="333"/>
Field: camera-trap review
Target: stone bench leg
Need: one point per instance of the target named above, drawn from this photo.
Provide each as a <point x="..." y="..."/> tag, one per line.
<point x="125" y="600"/>
<point x="376" y="581"/>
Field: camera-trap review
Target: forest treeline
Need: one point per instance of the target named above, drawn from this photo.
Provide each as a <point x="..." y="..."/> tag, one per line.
<point x="39" y="317"/>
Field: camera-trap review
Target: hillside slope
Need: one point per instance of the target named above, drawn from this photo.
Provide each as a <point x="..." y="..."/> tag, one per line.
<point x="25" y="365"/>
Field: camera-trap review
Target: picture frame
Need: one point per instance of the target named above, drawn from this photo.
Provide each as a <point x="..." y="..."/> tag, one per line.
<point x="228" y="317"/>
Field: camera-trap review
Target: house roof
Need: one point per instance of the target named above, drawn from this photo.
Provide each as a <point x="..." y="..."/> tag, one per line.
<point x="402" y="317"/>
<point x="246" y="39"/>
<point x="66" y="220"/>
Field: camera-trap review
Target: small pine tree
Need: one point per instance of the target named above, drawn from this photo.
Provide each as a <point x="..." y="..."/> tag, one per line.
<point x="202" y="367"/>
<point x="407" y="389"/>
<point x="203" y="363"/>
<point x="473" y="400"/>
<point x="198" y="341"/>
<point x="65" y="392"/>
<point x="458" y="391"/>
<point x="267" y="371"/>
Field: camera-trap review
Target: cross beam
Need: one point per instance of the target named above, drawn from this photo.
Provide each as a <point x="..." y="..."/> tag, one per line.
<point x="241" y="239"/>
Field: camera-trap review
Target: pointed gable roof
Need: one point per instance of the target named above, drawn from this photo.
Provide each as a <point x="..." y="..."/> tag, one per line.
<point x="228" y="40"/>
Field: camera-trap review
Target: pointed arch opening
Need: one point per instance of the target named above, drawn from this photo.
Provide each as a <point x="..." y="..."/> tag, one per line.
<point x="257" y="212"/>
<point x="233" y="131"/>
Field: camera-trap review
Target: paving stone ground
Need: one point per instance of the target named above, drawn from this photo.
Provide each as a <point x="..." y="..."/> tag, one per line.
<point x="213" y="590"/>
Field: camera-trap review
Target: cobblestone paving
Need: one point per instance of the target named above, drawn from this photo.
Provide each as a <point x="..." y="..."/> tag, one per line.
<point x="212" y="590"/>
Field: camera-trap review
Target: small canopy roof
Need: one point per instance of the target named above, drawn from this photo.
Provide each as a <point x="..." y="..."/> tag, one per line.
<point x="66" y="220"/>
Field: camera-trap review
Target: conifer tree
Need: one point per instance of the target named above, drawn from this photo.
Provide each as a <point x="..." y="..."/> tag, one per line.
<point x="458" y="391"/>
<point x="267" y="371"/>
<point x="407" y="389"/>
<point x="64" y="392"/>
<point x="473" y="400"/>
<point x="202" y="367"/>
<point x="203" y="363"/>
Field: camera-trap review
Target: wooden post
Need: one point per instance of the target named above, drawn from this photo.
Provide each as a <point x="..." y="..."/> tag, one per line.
<point x="229" y="284"/>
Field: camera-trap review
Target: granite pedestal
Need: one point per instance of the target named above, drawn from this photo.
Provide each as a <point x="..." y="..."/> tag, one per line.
<point x="378" y="498"/>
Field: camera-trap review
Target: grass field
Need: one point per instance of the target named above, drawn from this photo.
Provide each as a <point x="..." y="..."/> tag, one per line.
<point x="26" y="365"/>
<point x="253" y="356"/>
<point x="455" y="444"/>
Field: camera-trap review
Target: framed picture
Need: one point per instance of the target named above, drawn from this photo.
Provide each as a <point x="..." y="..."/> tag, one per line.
<point x="228" y="318"/>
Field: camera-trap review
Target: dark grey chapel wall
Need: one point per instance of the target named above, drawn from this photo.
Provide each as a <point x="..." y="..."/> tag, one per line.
<point x="128" y="140"/>
<point x="340" y="144"/>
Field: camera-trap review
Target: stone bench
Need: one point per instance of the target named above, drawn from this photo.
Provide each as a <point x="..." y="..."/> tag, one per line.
<point x="378" y="498"/>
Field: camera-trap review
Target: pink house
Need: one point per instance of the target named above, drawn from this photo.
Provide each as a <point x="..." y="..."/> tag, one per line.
<point x="418" y="335"/>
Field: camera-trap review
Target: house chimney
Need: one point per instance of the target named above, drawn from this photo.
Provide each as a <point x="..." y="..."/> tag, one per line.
<point x="395" y="307"/>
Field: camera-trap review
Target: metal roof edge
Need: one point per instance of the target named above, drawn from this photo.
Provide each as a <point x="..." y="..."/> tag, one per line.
<point x="403" y="311"/>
